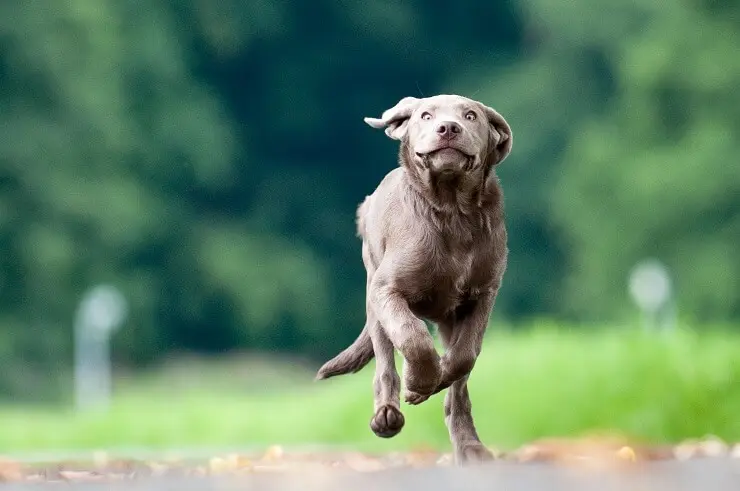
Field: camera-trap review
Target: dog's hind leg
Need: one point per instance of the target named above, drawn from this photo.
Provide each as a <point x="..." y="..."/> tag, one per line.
<point x="466" y="444"/>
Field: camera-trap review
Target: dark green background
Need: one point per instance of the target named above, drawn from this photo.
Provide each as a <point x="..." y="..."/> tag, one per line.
<point x="207" y="158"/>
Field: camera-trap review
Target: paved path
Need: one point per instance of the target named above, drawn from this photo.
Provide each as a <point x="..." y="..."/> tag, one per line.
<point x="717" y="474"/>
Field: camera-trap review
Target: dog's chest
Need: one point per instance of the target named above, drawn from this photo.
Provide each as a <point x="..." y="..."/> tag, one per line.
<point x="449" y="280"/>
<point x="461" y="270"/>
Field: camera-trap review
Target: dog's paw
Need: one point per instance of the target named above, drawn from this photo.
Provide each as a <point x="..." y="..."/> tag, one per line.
<point x="415" y="398"/>
<point x="421" y="379"/>
<point x="473" y="453"/>
<point x="387" y="421"/>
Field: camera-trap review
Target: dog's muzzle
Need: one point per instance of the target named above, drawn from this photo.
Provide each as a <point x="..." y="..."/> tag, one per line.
<point x="447" y="161"/>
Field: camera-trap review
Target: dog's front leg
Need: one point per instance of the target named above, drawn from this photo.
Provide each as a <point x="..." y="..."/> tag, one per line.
<point x="408" y="334"/>
<point x="462" y="336"/>
<point x="387" y="420"/>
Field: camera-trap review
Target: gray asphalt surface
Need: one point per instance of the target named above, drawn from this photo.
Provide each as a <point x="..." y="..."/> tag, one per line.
<point x="718" y="474"/>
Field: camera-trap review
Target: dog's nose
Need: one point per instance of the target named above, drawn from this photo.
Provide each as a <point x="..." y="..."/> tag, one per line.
<point x="448" y="129"/>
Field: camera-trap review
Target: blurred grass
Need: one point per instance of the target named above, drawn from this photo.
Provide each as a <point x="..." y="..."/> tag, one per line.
<point x="526" y="385"/>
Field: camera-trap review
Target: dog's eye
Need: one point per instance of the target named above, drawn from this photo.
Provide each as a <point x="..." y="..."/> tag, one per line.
<point x="426" y="116"/>
<point x="471" y="116"/>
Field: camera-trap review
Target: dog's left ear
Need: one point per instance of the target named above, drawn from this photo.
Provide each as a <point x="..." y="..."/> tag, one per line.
<point x="396" y="119"/>
<point x="501" y="139"/>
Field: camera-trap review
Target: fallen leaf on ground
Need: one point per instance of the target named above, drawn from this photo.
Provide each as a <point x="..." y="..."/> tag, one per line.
<point x="585" y="450"/>
<point x="101" y="459"/>
<point x="627" y="453"/>
<point x="80" y="475"/>
<point x="713" y="446"/>
<point x="10" y="470"/>
<point x="273" y="453"/>
<point x="421" y="458"/>
<point x="158" y="469"/>
<point x="231" y="463"/>
<point x="363" y="463"/>
<point x="446" y="460"/>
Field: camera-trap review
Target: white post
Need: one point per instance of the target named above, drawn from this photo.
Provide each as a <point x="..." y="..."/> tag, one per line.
<point x="651" y="289"/>
<point x="100" y="313"/>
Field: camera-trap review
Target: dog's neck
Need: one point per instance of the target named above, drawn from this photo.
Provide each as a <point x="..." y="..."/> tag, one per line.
<point x="467" y="194"/>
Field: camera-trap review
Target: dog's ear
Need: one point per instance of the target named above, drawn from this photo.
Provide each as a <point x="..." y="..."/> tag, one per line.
<point x="396" y="119"/>
<point x="501" y="138"/>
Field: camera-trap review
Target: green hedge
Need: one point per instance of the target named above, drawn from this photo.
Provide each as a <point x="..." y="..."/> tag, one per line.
<point x="526" y="385"/>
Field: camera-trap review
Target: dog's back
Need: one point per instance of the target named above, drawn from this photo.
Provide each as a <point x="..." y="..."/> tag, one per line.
<point x="360" y="217"/>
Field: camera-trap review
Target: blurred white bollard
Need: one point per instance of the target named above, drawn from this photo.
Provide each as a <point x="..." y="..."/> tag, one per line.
<point x="100" y="313"/>
<point x="651" y="289"/>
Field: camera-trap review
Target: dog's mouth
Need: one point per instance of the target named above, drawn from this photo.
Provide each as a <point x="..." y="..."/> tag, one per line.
<point x="446" y="161"/>
<point x="444" y="152"/>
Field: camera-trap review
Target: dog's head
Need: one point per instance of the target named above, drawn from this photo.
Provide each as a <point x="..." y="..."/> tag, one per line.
<point x="448" y="135"/>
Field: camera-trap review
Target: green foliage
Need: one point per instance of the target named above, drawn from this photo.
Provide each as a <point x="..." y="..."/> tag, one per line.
<point x="207" y="158"/>
<point x="655" y="175"/>
<point x="624" y="151"/>
<point x="181" y="152"/>
<point x="526" y="385"/>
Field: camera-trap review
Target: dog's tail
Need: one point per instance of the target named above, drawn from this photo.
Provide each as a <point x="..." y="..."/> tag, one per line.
<point x="351" y="360"/>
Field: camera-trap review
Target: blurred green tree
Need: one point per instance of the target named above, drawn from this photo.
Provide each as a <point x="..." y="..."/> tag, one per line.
<point x="113" y="160"/>
<point x="207" y="158"/>
<point x="656" y="174"/>
<point x="624" y="114"/>
<point x="190" y="153"/>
